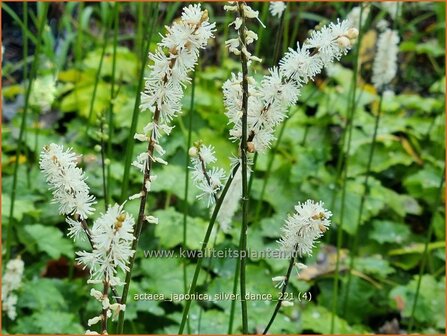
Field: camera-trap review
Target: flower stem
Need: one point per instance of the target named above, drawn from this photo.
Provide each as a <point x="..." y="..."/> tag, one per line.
<point x="32" y="75"/>
<point x="185" y="209"/>
<point x="361" y="207"/>
<point x="112" y="98"/>
<point x="243" y="148"/>
<point x="135" y="113"/>
<point x="233" y="302"/>
<point x="348" y="131"/>
<point x="98" y="72"/>
<point x="141" y="215"/>
<point x="192" y="288"/>
<point x="280" y="299"/>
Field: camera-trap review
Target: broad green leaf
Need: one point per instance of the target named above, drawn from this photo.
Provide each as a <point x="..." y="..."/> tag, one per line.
<point x="389" y="232"/>
<point x="50" y="240"/>
<point x="169" y="229"/>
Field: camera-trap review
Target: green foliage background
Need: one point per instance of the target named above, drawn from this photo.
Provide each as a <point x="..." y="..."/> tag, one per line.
<point x="407" y="169"/>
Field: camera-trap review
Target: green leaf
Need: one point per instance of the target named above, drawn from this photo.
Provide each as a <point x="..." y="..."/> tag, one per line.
<point x="50" y="240"/>
<point x="40" y="294"/>
<point x="21" y="207"/>
<point x="389" y="232"/>
<point x="374" y="265"/>
<point x="169" y="229"/>
<point x="317" y="319"/>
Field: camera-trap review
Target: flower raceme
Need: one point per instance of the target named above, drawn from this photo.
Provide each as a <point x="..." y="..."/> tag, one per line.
<point x="304" y="227"/>
<point x="269" y="100"/>
<point x="385" y="61"/>
<point x="175" y="57"/>
<point x="67" y="181"/>
<point x="11" y="281"/>
<point x="112" y="236"/>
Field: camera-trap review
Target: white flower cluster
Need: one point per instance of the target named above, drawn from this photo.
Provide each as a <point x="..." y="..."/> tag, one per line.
<point x="67" y="181"/>
<point x="112" y="237"/>
<point x="385" y="61"/>
<point x="304" y="227"/>
<point x="209" y="181"/>
<point x="268" y="101"/>
<point x="175" y="57"/>
<point x="277" y="8"/>
<point x="235" y="45"/>
<point x="11" y="281"/>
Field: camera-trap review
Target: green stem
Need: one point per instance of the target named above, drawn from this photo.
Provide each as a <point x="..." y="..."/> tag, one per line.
<point x="349" y="126"/>
<point x="283" y="290"/>
<point x="193" y="285"/>
<point x="103" y="165"/>
<point x="116" y="12"/>
<point x="233" y="302"/>
<point x="425" y="253"/>
<point x="361" y="207"/>
<point x="33" y="71"/>
<point x="98" y="73"/>
<point x="243" y="149"/>
<point x="185" y="209"/>
<point x="136" y="107"/>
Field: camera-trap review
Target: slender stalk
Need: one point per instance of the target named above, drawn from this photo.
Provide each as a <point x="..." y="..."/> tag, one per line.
<point x="112" y="99"/>
<point x="140" y="220"/>
<point x="103" y="166"/>
<point x="135" y="113"/>
<point x="243" y="149"/>
<point x="283" y="290"/>
<point x="425" y="253"/>
<point x="361" y="207"/>
<point x="233" y="302"/>
<point x="209" y="267"/>
<point x="344" y="183"/>
<point x="98" y="72"/>
<point x="205" y="241"/>
<point x="25" y="73"/>
<point x="185" y="209"/>
<point x="33" y="72"/>
<point x="349" y="127"/>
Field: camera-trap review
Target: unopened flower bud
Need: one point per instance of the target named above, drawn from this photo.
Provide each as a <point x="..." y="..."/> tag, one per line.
<point x="193" y="152"/>
<point x="352" y="33"/>
<point x="343" y="42"/>
<point x="97" y="148"/>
